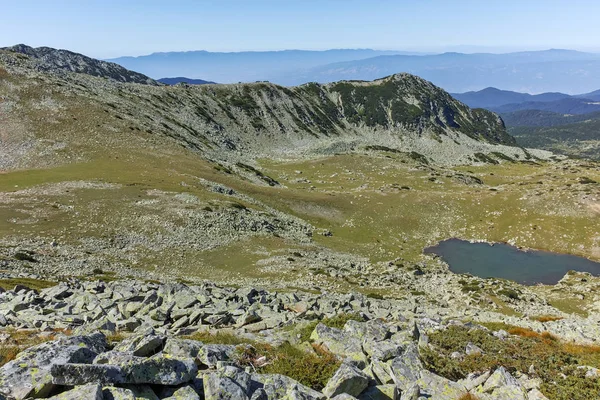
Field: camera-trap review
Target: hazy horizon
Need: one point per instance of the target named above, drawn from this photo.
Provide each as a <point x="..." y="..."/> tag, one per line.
<point x="110" y="28"/>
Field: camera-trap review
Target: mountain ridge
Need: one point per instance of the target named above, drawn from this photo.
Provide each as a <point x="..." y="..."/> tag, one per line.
<point x="50" y="59"/>
<point x="246" y="121"/>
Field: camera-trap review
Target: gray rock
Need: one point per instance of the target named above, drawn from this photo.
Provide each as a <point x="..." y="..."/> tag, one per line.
<point x="29" y="374"/>
<point x="229" y="383"/>
<point x="259" y="394"/>
<point x="141" y="392"/>
<point x="339" y="343"/>
<point x="347" y="379"/>
<point x="211" y="353"/>
<point x="500" y="378"/>
<point x="184" y="393"/>
<point x="91" y="392"/>
<point x="142" y="346"/>
<point x="412" y="392"/>
<point x="406" y="369"/>
<point x="380" y="392"/>
<point x="439" y="388"/>
<point x="81" y="374"/>
<point x="117" y="393"/>
<point x="473" y="350"/>
<point x="182" y="347"/>
<point x="160" y="370"/>
<point x="383" y="351"/>
<point x="381" y="371"/>
<point x="115" y="357"/>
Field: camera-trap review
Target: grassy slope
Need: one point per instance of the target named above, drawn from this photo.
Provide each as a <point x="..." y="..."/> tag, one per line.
<point x="357" y="197"/>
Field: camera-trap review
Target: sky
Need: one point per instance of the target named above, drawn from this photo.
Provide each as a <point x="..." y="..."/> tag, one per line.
<point x="112" y="28"/>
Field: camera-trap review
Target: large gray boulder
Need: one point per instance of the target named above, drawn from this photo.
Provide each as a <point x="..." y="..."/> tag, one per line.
<point x="81" y="374"/>
<point x="339" y="342"/>
<point x="118" y="393"/>
<point x="210" y="354"/>
<point x="502" y="385"/>
<point x="347" y="379"/>
<point x="407" y="368"/>
<point x="29" y="374"/>
<point x="229" y="383"/>
<point x="91" y="392"/>
<point x="184" y="393"/>
<point x="164" y="370"/>
<point x="439" y="388"/>
<point x="182" y="347"/>
<point x="380" y="392"/>
<point x="143" y="346"/>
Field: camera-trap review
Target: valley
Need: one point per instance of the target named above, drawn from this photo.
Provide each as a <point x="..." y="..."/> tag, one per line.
<point x="320" y="197"/>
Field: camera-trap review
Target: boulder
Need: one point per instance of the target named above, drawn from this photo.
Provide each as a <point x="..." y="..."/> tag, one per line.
<point x="91" y="392"/>
<point x="339" y="343"/>
<point x="380" y="392"/>
<point x="165" y="370"/>
<point x="210" y="354"/>
<point x="81" y="374"/>
<point x="143" y="345"/>
<point x="117" y="393"/>
<point x="29" y="374"/>
<point x="406" y="369"/>
<point x="439" y="388"/>
<point x="535" y="394"/>
<point x="383" y="351"/>
<point x="228" y="383"/>
<point x="182" y="347"/>
<point x="412" y="392"/>
<point x="184" y="393"/>
<point x="347" y="379"/>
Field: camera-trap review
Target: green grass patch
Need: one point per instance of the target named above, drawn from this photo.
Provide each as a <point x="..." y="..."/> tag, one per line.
<point x="35" y="284"/>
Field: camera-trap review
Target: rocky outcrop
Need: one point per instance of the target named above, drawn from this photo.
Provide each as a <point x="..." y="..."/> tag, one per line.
<point x="46" y="59"/>
<point x="87" y="366"/>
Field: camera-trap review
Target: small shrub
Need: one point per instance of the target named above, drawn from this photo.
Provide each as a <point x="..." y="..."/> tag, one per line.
<point x="510" y="293"/>
<point x="22" y="256"/>
<point x="97" y="271"/>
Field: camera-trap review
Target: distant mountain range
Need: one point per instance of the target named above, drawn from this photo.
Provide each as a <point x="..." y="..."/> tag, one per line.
<point x="552" y="121"/>
<point x="542" y="110"/>
<point x="533" y="72"/>
<point x="508" y="101"/>
<point x="181" y="79"/>
<point x="247" y="66"/>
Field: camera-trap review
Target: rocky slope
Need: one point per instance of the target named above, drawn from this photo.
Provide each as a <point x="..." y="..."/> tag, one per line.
<point x="245" y="121"/>
<point x="59" y="61"/>
<point x="381" y="349"/>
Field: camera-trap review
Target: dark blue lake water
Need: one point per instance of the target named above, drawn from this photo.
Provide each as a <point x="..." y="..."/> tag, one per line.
<point x="508" y="262"/>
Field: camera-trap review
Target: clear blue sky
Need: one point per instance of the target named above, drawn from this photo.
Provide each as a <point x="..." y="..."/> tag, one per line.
<point x="110" y="28"/>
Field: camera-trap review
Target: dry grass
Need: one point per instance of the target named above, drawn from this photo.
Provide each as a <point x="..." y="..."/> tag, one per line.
<point x="547" y="318"/>
<point x="20" y="340"/>
<point x="528" y="333"/>
<point x="468" y="396"/>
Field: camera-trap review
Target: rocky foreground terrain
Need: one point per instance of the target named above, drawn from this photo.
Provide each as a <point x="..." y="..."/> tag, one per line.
<point x="168" y="345"/>
<point x="253" y="241"/>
